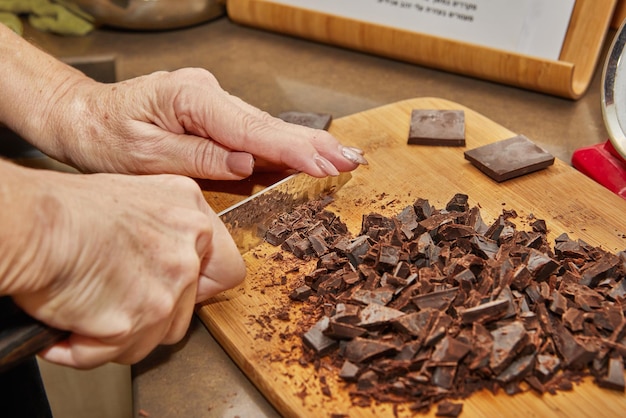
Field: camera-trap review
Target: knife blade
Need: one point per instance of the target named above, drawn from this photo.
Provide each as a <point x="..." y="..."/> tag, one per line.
<point x="248" y="220"/>
<point x="22" y="336"/>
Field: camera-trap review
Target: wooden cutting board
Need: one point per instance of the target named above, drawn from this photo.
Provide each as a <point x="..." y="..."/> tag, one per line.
<point x="245" y="320"/>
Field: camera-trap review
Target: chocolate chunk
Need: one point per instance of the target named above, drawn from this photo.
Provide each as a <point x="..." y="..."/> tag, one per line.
<point x="375" y="314"/>
<point x="310" y="119"/>
<point x="614" y="378"/>
<point x="449" y="409"/>
<point x="302" y="293"/>
<point x="388" y="257"/>
<point x="416" y="324"/>
<point x="422" y="208"/>
<point x="482" y="342"/>
<point x="444" y="375"/>
<point x="559" y="303"/>
<point x="509" y="158"/>
<point x="408" y="221"/>
<point x="316" y="340"/>
<point x="475" y="220"/>
<point x="547" y="365"/>
<point x="298" y="245"/>
<point x="452" y="232"/>
<point x="496" y="228"/>
<point x="277" y="234"/>
<point x="573" y="319"/>
<point x="343" y="331"/>
<point x="380" y="296"/>
<point x="458" y="203"/>
<point x="360" y="349"/>
<point x="349" y="371"/>
<point x="573" y="353"/>
<point x="484" y="246"/>
<point x="349" y="314"/>
<point x="596" y="271"/>
<point x="539" y="226"/>
<point x="540" y="265"/>
<point x="508" y="342"/>
<point x="618" y="291"/>
<point x="440" y="300"/>
<point x="367" y="381"/>
<point x="438" y="330"/>
<point x="521" y="278"/>
<point x="357" y="249"/>
<point x="485" y="312"/>
<point x="318" y="244"/>
<point x="437" y="127"/>
<point x="517" y="370"/>
<point x="450" y="350"/>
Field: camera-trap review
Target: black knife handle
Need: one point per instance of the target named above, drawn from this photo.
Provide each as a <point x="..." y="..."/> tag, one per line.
<point x="22" y="336"/>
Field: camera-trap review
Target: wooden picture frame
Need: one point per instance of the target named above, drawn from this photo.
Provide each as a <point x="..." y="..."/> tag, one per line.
<point x="568" y="77"/>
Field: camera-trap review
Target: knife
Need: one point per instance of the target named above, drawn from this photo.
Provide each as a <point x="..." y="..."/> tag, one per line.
<point x="22" y="336"/>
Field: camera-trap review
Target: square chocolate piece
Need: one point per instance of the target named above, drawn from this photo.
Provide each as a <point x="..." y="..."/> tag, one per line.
<point x="310" y="119"/>
<point x="509" y="158"/>
<point x="437" y="127"/>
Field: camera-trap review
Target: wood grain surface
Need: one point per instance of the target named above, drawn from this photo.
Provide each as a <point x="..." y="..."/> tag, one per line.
<point x="245" y="320"/>
<point x="569" y="76"/>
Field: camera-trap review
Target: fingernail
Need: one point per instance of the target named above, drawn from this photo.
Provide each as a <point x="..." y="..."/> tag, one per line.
<point x="354" y="155"/>
<point x="240" y="163"/>
<point x="326" y="166"/>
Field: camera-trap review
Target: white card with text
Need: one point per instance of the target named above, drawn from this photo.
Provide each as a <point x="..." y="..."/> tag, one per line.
<point x="530" y="27"/>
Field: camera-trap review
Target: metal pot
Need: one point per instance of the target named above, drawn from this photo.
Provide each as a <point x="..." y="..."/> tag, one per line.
<point x="151" y="14"/>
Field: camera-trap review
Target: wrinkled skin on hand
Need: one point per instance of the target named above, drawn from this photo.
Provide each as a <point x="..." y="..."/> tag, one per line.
<point x="122" y="263"/>
<point x="120" y="260"/>
<point x="182" y="122"/>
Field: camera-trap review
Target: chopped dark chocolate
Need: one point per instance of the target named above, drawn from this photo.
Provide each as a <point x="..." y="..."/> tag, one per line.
<point x="437" y="127"/>
<point x="277" y="234"/>
<point x="367" y="381"/>
<point x="376" y="314"/>
<point x="440" y="300"/>
<point x="508" y="341"/>
<point x="302" y="293"/>
<point x="416" y="324"/>
<point x="520" y="367"/>
<point x="444" y="375"/>
<point x="316" y="340"/>
<point x="458" y="203"/>
<point x="614" y="378"/>
<point x="509" y="158"/>
<point x="360" y="349"/>
<point x="349" y="371"/>
<point x="485" y="312"/>
<point x="432" y="305"/>
<point x="343" y="331"/>
<point x="380" y="296"/>
<point x="546" y="366"/>
<point x="449" y="409"/>
<point x="450" y="350"/>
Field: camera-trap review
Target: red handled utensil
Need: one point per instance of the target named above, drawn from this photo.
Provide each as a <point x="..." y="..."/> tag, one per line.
<point x="605" y="163"/>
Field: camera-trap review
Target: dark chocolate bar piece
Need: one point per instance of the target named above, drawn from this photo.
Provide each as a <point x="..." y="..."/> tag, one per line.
<point x="509" y="158"/>
<point x="437" y="127"/>
<point x="310" y="119"/>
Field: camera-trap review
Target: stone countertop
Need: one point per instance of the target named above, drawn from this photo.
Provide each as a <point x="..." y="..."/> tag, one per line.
<point x="278" y="73"/>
